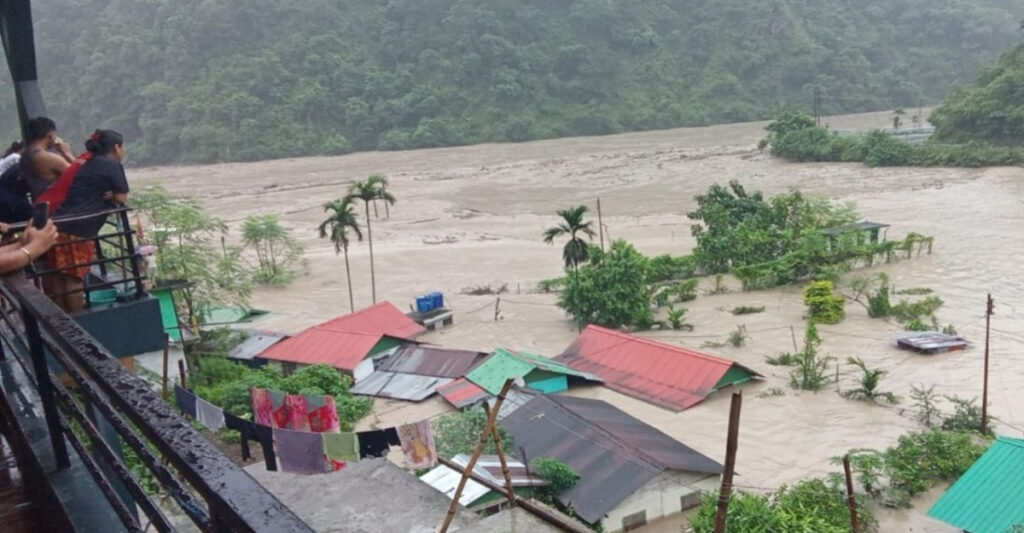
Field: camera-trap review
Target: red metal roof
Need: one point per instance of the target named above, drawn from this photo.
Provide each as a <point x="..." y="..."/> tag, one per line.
<point x="383" y="318"/>
<point x="318" y="344"/>
<point x="345" y="341"/>
<point x="462" y="393"/>
<point x="669" y="376"/>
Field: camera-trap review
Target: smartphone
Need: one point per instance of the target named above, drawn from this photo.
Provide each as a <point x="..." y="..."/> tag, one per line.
<point x="40" y="214"/>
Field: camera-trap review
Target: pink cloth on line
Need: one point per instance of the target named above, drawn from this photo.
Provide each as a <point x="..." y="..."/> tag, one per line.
<point x="262" y="407"/>
<point x="298" y="412"/>
<point x="418" y="444"/>
<point x="323" y="419"/>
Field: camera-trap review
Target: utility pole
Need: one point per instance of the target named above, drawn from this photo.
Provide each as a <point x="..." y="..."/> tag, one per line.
<point x="497" y="308"/>
<point x="730" y="461"/>
<point x="989" y="305"/>
<point x="817" y="105"/>
<point x="850" y="500"/>
<point x="600" y="224"/>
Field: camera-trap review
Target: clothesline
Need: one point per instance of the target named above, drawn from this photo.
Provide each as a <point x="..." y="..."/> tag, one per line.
<point x="299" y="447"/>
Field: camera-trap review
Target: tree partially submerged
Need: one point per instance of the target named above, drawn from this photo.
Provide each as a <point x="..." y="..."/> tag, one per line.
<point x="339" y="226"/>
<point x="278" y="254"/>
<point x="611" y="290"/>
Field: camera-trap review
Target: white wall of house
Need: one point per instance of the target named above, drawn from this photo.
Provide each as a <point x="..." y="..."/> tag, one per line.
<point x="660" y="497"/>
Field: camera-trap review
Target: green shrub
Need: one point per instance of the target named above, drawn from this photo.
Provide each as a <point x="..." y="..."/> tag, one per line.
<point x="810" y="369"/>
<point x="924" y="458"/>
<point x="687" y="290"/>
<point x="782" y="359"/>
<point x="807" y="144"/>
<point x="882" y="149"/>
<point x="747" y="310"/>
<point x="823" y="304"/>
<point x="906" y="310"/>
<point x="561" y="477"/>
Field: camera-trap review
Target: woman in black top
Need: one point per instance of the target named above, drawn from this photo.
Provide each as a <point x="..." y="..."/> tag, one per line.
<point x="99" y="185"/>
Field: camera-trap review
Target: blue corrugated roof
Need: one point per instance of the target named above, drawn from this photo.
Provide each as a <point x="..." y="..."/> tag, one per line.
<point x="989" y="497"/>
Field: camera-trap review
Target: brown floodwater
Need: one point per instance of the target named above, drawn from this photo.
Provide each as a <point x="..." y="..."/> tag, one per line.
<point x="474" y="215"/>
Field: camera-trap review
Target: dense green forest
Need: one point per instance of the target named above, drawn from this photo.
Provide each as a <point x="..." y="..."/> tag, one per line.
<point x="991" y="110"/>
<point x="212" y="80"/>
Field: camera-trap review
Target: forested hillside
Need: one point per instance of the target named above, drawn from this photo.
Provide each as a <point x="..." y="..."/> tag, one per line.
<point x="991" y="110"/>
<point x="220" y="80"/>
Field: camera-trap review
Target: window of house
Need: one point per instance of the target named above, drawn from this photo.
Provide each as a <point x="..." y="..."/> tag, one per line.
<point x="634" y="521"/>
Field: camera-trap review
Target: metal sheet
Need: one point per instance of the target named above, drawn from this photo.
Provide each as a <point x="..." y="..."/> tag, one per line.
<point x="989" y="497"/>
<point x="461" y="393"/>
<point x="341" y="349"/>
<point x="383" y="318"/>
<point x="503" y="364"/>
<point x="254" y="345"/>
<point x="432" y="361"/>
<point x="399" y="386"/>
<point x="445" y="480"/>
<point x="609" y="471"/>
<point x="669" y="376"/>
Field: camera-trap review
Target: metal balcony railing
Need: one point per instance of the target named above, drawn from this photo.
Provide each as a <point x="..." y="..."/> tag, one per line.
<point x="116" y="260"/>
<point x="207" y="486"/>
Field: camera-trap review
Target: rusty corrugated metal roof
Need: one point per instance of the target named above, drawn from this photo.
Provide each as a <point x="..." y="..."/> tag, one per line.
<point x="345" y="341"/>
<point x="669" y="376"/>
<point x="609" y="470"/>
<point x="461" y="393"/>
<point x="399" y="386"/>
<point x="432" y="361"/>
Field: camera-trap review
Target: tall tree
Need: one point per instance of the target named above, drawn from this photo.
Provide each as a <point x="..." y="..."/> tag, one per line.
<point x="336" y="227"/>
<point x="575" y="250"/>
<point x="368" y="190"/>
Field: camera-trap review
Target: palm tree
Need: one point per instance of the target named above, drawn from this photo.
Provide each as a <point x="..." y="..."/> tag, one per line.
<point x="368" y="190"/>
<point x="575" y="251"/>
<point x="336" y="227"/>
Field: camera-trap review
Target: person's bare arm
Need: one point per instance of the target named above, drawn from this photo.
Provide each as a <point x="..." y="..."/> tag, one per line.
<point x="120" y="198"/>
<point x="19" y="255"/>
<point x="64" y="149"/>
<point x="50" y="165"/>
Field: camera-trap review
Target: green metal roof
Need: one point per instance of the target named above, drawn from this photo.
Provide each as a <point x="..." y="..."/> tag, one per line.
<point x="989" y="497"/>
<point x="491" y="374"/>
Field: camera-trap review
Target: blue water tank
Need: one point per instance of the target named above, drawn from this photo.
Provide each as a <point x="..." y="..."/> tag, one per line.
<point x="438" y="300"/>
<point x="424" y="304"/>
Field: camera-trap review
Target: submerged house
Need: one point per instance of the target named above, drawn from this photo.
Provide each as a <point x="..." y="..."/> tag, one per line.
<point x="346" y="341"/>
<point x="630" y="473"/>
<point x="669" y="376"/>
<point x="476" y="496"/>
<point x="537" y="372"/>
<point x="989" y="497"/>
<point x="412" y="372"/>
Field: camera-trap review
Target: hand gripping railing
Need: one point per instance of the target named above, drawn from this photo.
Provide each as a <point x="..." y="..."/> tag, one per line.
<point x="212" y="491"/>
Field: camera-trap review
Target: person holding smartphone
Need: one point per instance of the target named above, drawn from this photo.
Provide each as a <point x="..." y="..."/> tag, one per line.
<point x="33" y="244"/>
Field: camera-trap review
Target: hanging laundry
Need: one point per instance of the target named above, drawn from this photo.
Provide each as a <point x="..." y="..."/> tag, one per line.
<point x="245" y="428"/>
<point x="372" y="443"/>
<point x="281" y="413"/>
<point x="298" y="413"/>
<point x="341" y="447"/>
<point x="209" y="415"/>
<point x="300" y="452"/>
<point x="265" y="435"/>
<point x="418" y="444"/>
<point x="323" y="414"/>
<point x="262" y="406"/>
<point x="185" y="400"/>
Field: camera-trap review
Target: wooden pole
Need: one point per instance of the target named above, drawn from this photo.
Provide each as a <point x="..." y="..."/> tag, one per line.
<point x="730" y="461"/>
<point x="851" y="501"/>
<point x="492" y="417"/>
<point x="984" y="388"/>
<point x="167" y="349"/>
<point x="600" y="224"/>
<point x="792" y="333"/>
<point x="182" y="375"/>
<point x="534" y="507"/>
<point x="497" y="308"/>
<point x="496" y="435"/>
